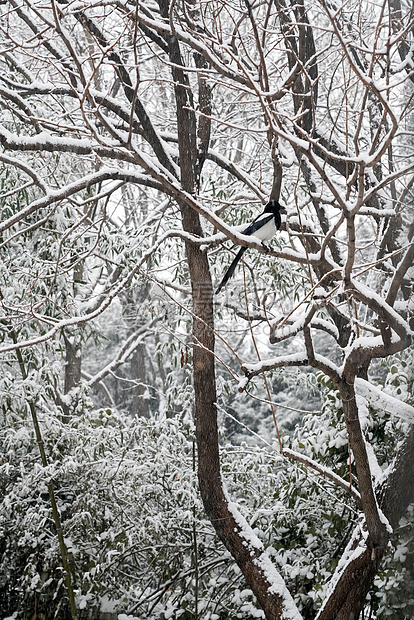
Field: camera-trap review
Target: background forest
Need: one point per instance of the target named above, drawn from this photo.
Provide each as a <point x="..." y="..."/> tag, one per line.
<point x="166" y="452"/>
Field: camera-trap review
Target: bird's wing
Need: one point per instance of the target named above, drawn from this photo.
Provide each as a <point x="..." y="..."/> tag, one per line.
<point x="258" y="223"/>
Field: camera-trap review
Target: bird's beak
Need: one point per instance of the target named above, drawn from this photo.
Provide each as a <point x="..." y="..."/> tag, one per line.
<point x="283" y="210"/>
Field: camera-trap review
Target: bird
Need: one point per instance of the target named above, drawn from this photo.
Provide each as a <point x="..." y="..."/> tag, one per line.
<point x="264" y="226"/>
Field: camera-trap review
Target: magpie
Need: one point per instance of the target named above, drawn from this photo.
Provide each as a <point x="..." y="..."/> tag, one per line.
<point x="264" y="226"/>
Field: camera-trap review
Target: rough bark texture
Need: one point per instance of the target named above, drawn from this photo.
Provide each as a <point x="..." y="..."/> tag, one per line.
<point x="349" y="596"/>
<point x="352" y="588"/>
<point x="377" y="531"/>
<point x="398" y="492"/>
<point x="73" y="367"/>
<point x="73" y="362"/>
<point x="209" y="473"/>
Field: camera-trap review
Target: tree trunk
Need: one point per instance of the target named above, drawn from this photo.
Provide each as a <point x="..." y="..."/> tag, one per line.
<point x="229" y="530"/>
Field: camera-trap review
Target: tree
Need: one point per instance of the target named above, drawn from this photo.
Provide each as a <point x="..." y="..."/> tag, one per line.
<point x="195" y="108"/>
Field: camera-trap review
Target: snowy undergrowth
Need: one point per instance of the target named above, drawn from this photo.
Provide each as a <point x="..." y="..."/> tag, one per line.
<point x="137" y="537"/>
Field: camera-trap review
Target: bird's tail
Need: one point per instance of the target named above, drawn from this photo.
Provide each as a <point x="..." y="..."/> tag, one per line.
<point x="231" y="269"/>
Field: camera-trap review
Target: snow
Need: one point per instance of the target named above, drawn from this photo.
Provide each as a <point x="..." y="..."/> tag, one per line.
<point x="380" y="302"/>
<point x="287" y="331"/>
<point x="384" y="520"/>
<point x="83" y="599"/>
<point x="290" y="330"/>
<point x="273" y="362"/>
<point x="42" y="139"/>
<point x="375" y="469"/>
<point x="324" y="361"/>
<point x="380" y="400"/>
<point x="108" y="605"/>
<point x="327" y="326"/>
<point x="290" y="610"/>
<point x="277" y="585"/>
<point x="400" y="554"/>
<point x="246" y="531"/>
<point x="357" y="540"/>
<point x="328" y="473"/>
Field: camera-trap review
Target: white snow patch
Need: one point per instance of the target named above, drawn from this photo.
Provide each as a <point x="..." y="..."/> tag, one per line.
<point x="295" y="358"/>
<point x="380" y="400"/>
<point x="108" y="605"/>
<point x="348" y="556"/>
<point x="246" y="531"/>
<point x="277" y="585"/>
<point x="364" y="416"/>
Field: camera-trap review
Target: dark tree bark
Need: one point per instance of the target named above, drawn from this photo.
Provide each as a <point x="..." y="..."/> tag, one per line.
<point x="209" y="472"/>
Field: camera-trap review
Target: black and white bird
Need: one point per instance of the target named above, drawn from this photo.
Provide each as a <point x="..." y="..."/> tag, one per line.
<point x="264" y="226"/>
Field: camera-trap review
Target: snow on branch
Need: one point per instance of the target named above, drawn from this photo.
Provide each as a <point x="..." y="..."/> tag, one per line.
<point x="123" y="354"/>
<point x="277" y="585"/>
<point x="379" y="399"/>
<point x="294" y="359"/>
<point x="28" y="170"/>
<point x="380" y="306"/>
<point x="354" y="556"/>
<point x="290" y="328"/>
<point x="56" y="195"/>
<point x="325" y="472"/>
